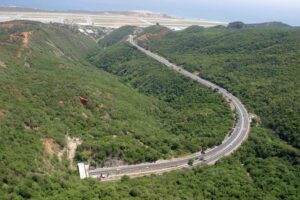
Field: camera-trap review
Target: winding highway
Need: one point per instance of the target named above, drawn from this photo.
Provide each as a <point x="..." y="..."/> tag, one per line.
<point x="230" y="144"/>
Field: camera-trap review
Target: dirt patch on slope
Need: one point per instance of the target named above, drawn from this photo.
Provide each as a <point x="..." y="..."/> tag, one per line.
<point x="51" y="147"/>
<point x="25" y="37"/>
<point x="109" y="95"/>
<point x="2" y="114"/>
<point x="12" y="24"/>
<point x="2" y="64"/>
<point x="72" y="144"/>
<point x="148" y="36"/>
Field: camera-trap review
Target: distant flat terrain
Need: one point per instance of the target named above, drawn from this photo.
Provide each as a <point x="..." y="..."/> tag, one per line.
<point x="106" y="19"/>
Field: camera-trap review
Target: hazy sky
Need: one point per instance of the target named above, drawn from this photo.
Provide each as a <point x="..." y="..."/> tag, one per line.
<point x="250" y="11"/>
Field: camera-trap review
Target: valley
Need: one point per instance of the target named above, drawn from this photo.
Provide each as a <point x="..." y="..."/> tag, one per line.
<point x="63" y="90"/>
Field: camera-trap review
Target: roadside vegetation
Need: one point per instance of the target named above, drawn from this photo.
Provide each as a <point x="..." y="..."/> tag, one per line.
<point x="195" y="116"/>
<point x="258" y="63"/>
<point x="132" y="109"/>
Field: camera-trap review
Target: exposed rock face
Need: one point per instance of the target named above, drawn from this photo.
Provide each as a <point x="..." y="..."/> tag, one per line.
<point x="51" y="147"/>
<point x="25" y="37"/>
<point x="70" y="149"/>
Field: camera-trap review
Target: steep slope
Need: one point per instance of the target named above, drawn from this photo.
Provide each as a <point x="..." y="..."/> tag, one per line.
<point x="196" y="117"/>
<point x="260" y="65"/>
<point x="54" y="100"/>
<point x="51" y="95"/>
<point x="116" y="36"/>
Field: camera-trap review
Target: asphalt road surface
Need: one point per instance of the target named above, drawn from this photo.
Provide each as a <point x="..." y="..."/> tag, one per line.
<point x="229" y="145"/>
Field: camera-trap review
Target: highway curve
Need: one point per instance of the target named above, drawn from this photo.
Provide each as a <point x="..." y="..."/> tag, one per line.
<point x="229" y="145"/>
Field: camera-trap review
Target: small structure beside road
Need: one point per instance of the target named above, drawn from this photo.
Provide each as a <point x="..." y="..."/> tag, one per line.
<point x="83" y="170"/>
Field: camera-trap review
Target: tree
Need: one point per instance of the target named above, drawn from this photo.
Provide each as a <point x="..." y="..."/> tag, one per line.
<point x="125" y="178"/>
<point x="191" y="162"/>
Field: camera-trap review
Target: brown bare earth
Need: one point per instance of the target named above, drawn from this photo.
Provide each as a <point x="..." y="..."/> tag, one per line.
<point x="2" y="64"/>
<point x="51" y="147"/>
<point x="12" y="24"/>
<point x="109" y="95"/>
<point x="148" y="36"/>
<point x="70" y="149"/>
<point x="2" y="114"/>
<point x="25" y="36"/>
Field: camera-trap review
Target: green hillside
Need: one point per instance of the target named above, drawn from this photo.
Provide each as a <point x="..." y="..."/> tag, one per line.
<point x="116" y="36"/>
<point x="259" y="64"/>
<point x="193" y="114"/>
<point x="57" y="84"/>
<point x="51" y="95"/>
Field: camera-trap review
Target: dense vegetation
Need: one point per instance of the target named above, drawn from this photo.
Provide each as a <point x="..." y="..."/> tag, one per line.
<point x="190" y="114"/>
<point x="117" y="36"/>
<point x="144" y="103"/>
<point x="259" y="64"/>
<point x="44" y="73"/>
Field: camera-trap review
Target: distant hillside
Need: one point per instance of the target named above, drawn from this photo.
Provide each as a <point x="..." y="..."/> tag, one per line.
<point x="19" y="9"/>
<point x="117" y="36"/>
<point x="239" y="25"/>
<point x="194" y="29"/>
<point x="268" y="50"/>
<point x="151" y="32"/>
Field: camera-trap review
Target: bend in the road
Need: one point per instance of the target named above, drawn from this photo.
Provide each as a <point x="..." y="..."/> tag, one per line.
<point x="229" y="145"/>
